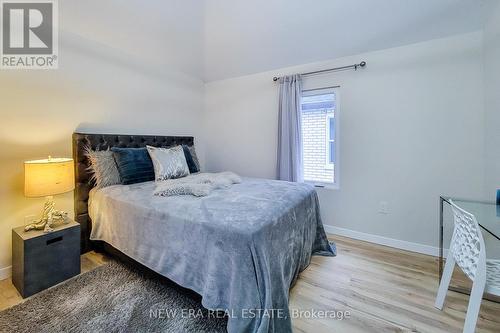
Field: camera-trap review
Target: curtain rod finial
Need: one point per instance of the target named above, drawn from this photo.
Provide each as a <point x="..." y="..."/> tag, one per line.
<point x="275" y="79"/>
<point x="362" y="64"/>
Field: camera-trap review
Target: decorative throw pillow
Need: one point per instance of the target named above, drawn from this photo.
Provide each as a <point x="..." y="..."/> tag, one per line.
<point x="199" y="184"/>
<point x="195" y="158"/>
<point x="134" y="165"/>
<point x="197" y="190"/>
<point x="193" y="168"/>
<point x="168" y="162"/>
<point x="102" y="167"/>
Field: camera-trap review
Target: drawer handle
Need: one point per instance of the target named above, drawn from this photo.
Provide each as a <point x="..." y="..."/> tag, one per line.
<point x="54" y="240"/>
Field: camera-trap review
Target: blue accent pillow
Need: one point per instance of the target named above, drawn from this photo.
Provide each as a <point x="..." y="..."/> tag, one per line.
<point x="190" y="160"/>
<point x="134" y="165"/>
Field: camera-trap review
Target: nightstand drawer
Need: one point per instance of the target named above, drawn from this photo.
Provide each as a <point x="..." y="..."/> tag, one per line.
<point x="45" y="259"/>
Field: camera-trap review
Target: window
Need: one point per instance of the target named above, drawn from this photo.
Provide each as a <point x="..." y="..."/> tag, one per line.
<point x="319" y="109"/>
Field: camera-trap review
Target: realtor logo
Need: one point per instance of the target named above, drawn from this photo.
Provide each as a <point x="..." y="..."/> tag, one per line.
<point x="29" y="34"/>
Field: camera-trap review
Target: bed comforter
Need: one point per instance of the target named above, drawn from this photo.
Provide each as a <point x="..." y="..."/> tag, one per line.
<point x="241" y="248"/>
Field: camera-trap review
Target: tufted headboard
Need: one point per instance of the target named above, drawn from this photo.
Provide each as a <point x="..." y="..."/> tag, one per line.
<point x="82" y="175"/>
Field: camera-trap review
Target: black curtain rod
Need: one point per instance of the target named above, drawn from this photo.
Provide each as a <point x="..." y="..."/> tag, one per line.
<point x="355" y="67"/>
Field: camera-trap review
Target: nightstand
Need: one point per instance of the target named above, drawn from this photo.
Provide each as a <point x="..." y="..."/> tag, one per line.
<point x="41" y="260"/>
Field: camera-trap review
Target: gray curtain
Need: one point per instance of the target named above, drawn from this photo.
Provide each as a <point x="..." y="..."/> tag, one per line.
<point x="289" y="129"/>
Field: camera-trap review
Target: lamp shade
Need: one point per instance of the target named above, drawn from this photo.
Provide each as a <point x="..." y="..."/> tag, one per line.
<point x="48" y="177"/>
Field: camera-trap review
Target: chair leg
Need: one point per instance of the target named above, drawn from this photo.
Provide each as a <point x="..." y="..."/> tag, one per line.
<point x="445" y="281"/>
<point x="476" y="296"/>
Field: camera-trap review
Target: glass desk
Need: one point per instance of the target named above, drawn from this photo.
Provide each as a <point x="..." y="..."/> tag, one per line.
<point x="488" y="217"/>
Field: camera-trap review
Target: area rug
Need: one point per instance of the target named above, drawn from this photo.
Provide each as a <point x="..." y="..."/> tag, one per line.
<point x="113" y="298"/>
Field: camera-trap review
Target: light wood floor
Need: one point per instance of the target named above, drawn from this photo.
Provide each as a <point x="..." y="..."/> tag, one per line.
<point x="383" y="289"/>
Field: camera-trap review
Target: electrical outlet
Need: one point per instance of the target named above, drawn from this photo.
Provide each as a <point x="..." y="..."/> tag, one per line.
<point x="383" y="207"/>
<point x="29" y="219"/>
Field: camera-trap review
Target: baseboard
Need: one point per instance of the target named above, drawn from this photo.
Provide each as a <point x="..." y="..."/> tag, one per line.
<point x="396" y="243"/>
<point x="5" y="272"/>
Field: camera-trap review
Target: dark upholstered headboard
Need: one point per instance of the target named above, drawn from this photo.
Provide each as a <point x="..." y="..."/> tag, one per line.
<point x="82" y="176"/>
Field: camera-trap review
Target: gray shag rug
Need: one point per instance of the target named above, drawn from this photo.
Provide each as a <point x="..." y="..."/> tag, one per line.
<point x="113" y="298"/>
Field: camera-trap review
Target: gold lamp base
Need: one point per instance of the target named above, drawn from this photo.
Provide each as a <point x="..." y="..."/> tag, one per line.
<point x="50" y="217"/>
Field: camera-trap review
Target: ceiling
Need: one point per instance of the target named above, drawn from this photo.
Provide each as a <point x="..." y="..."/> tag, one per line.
<point x="244" y="37"/>
<point x="165" y="34"/>
<point x="218" y="39"/>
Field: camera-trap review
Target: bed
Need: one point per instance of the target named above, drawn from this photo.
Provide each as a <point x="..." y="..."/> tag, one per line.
<point x="240" y="248"/>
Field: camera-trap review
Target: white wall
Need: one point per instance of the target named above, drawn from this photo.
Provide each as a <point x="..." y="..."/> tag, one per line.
<point x="491" y="52"/>
<point x="411" y="128"/>
<point x="99" y="87"/>
<point x="491" y="71"/>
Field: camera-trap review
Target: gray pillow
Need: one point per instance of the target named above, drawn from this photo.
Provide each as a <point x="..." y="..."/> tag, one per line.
<point x="195" y="158"/>
<point x="103" y="167"/>
<point x="168" y="163"/>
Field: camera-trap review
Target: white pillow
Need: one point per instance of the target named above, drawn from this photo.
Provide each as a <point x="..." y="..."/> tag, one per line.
<point x="168" y="163"/>
<point x="102" y="167"/>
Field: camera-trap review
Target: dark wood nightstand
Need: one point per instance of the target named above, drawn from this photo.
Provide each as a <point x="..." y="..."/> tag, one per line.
<point x="41" y="260"/>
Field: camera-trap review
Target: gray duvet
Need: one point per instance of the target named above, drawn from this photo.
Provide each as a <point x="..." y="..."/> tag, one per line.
<point x="241" y="248"/>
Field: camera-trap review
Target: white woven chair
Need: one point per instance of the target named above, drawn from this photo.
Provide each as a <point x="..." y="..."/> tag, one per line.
<point x="468" y="252"/>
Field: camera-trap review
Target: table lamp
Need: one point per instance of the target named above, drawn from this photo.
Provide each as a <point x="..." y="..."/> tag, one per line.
<point x="45" y="178"/>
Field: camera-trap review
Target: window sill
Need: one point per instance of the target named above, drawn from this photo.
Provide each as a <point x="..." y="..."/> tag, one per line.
<point x="326" y="186"/>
